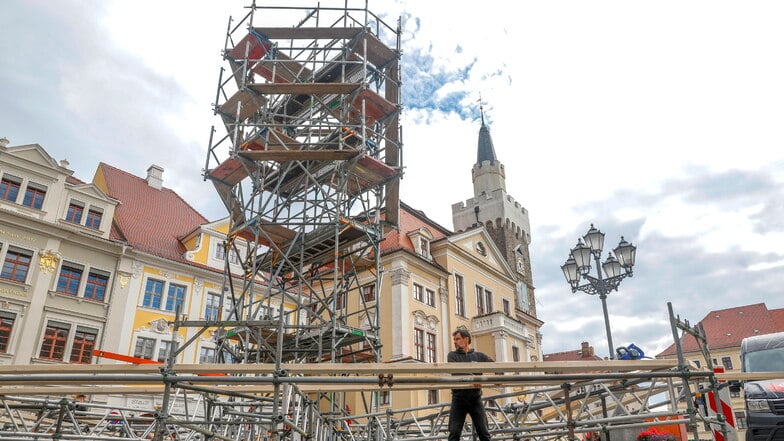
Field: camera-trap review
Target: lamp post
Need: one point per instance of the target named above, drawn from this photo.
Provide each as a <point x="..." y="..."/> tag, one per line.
<point x="616" y="268"/>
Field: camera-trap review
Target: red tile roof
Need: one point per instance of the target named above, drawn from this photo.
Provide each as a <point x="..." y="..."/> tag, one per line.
<point x="725" y="328"/>
<point x="73" y="181"/>
<point x="410" y="220"/>
<point x="150" y="220"/>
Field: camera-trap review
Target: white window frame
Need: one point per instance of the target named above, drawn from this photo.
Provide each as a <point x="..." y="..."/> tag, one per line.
<point x="157" y="346"/>
<point x="4" y="247"/>
<point x="202" y="351"/>
<point x="73" y="325"/>
<point x="460" y="301"/>
<point x="87" y="269"/>
<point x="419" y="292"/>
<point x="86" y="208"/>
<point x="15" y="330"/>
<point x="430" y="297"/>
<point x="371" y="288"/>
<point x="165" y="295"/>
<point x="207" y="297"/>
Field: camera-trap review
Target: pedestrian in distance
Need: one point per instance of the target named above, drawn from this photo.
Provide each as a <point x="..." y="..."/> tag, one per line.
<point x="467" y="401"/>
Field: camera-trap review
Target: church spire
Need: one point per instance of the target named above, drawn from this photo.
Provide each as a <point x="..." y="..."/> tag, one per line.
<point x="485" y="150"/>
<point x="488" y="172"/>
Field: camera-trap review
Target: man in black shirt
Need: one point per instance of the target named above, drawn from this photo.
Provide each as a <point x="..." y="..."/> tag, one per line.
<point x="467" y="401"/>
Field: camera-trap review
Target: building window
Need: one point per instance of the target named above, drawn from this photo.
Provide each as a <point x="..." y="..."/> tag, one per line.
<point x="735" y="389"/>
<point x="432" y="396"/>
<point x="153" y="294"/>
<point x="340" y="300"/>
<point x="70" y="278"/>
<point x="55" y="339"/>
<point x="97" y="282"/>
<point x="424" y="247"/>
<point x="430" y="297"/>
<point x="727" y="363"/>
<point x="419" y="293"/>
<point x="9" y="187"/>
<point x="459" y="296"/>
<point x="212" y="307"/>
<point x="697" y="363"/>
<point x="176" y="297"/>
<point x="207" y="355"/>
<point x="144" y="348"/>
<point x="74" y="214"/>
<point x="6" y="327"/>
<point x="220" y="251"/>
<point x="94" y="217"/>
<point x="431" y="348"/>
<point x="488" y="301"/>
<point x="34" y="196"/>
<point x="507" y="307"/>
<point x="419" y="344"/>
<point x="17" y="264"/>
<point x="515" y="353"/>
<point x="164" y="350"/>
<point x="369" y="292"/>
<point x="83" y="345"/>
<point x="480" y="300"/>
<point x="384" y="398"/>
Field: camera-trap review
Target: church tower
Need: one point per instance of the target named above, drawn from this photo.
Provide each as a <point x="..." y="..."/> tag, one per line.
<point x="505" y="219"/>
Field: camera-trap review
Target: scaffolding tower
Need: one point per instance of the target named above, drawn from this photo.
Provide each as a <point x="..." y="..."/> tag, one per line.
<point x="307" y="166"/>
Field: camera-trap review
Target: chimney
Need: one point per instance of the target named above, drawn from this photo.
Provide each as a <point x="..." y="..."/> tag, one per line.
<point x="586" y="351"/>
<point x="155" y="176"/>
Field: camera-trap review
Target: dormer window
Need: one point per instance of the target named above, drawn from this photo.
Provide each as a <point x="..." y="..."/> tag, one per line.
<point x="424" y="247"/>
<point x="9" y="187"/>
<point x="94" y="216"/>
<point x="75" y="211"/>
<point x="34" y="196"/>
<point x="86" y="215"/>
<point x="420" y="239"/>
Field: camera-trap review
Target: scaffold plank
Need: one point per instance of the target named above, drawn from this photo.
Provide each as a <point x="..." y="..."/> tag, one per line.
<point x="305" y="88"/>
<point x="308" y="33"/>
<point x="281" y="155"/>
<point x="249" y="103"/>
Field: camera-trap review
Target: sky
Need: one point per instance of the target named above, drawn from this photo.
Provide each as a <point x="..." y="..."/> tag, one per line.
<point x="657" y="121"/>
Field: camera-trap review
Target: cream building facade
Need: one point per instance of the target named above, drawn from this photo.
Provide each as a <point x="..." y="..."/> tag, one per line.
<point x="104" y="266"/>
<point x="61" y="269"/>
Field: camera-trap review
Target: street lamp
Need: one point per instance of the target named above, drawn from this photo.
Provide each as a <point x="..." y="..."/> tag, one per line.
<point x="616" y="268"/>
